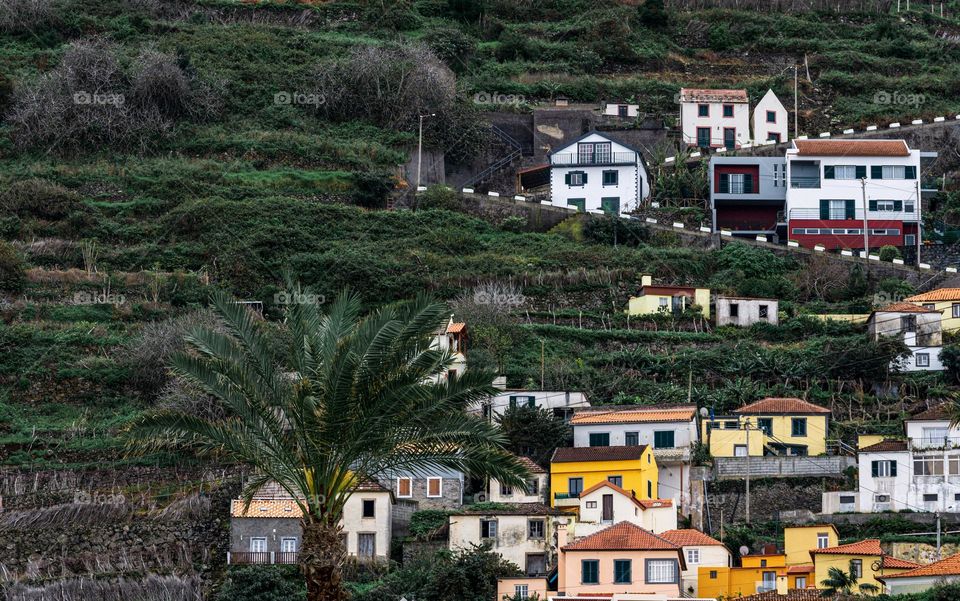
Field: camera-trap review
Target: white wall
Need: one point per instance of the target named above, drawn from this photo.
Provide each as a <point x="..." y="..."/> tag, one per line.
<point x="614" y="109"/>
<point x="655" y="519"/>
<point x="512" y="542"/>
<point x="544" y="399"/>
<point x="762" y="129"/>
<point x="711" y="556"/>
<point x="748" y="311"/>
<point x="593" y="191"/>
<point x="909" y="363"/>
<point x="690" y="121"/>
<point x="685" y="433"/>
<point x="495" y="494"/>
<point x="354" y="523"/>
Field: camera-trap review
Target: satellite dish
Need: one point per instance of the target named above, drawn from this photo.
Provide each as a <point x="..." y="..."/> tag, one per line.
<point x="744" y="550"/>
<point x="704" y="412"/>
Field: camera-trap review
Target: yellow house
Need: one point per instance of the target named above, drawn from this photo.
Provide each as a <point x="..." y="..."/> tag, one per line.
<point x="756" y="574"/>
<point x="865" y="558"/>
<point x="944" y="300"/>
<point x="667" y="299"/>
<point x="798" y="541"/>
<point x="771" y="426"/>
<point x="575" y="469"/>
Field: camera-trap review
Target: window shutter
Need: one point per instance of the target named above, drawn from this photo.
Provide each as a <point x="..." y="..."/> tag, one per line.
<point x="873" y="205"/>
<point x="824" y="209"/>
<point x="875" y="468"/>
<point x="748" y="183"/>
<point x="724" y="183"/>
<point x="566" y="178"/>
<point x="898" y="205"/>
<point x="876" y="172"/>
<point x="910" y="172"/>
<point x="893" y="468"/>
<point x="850" y="209"/>
<point x="861" y="171"/>
<point x="828" y="172"/>
<point x="584" y="177"/>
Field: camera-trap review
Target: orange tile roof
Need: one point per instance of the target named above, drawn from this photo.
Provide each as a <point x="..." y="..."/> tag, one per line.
<point x="863" y="148"/>
<point x="801" y="569"/>
<point x="945" y="567"/>
<point x="940" y="294"/>
<point x="690" y="537"/>
<point x="774" y="405"/>
<point x="905" y="308"/>
<point x="531" y="465"/>
<point x="870" y="546"/>
<point x="653" y="503"/>
<point x="797" y="594"/>
<point x="704" y="95"/>
<point x="453" y="328"/>
<point x="633" y="415"/>
<point x="569" y="454"/>
<point x="624" y="536"/>
<point x="641" y="503"/>
<point x="889" y="446"/>
<point x="276" y="508"/>
<point x="895" y="563"/>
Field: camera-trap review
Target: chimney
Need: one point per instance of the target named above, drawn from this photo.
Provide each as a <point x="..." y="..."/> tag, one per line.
<point x="561" y="534"/>
<point x="500" y="382"/>
<point x="782" y="585"/>
<point x="646" y="280"/>
<point x="561" y="557"/>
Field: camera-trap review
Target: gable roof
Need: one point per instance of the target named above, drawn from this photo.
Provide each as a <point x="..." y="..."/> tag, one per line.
<point x="706" y="95"/>
<point x="895" y="563"/>
<point x="690" y="537"/>
<point x="531" y="465"/>
<point x="863" y="148"/>
<point x="934" y="414"/>
<point x="885" y="446"/>
<point x="509" y="509"/>
<point x="785" y="406"/>
<point x="945" y="567"/>
<point x="602" y="135"/>
<point x="940" y="294"/>
<point x="266" y="508"/>
<point x="456" y="327"/>
<point x="641" y="503"/>
<point x="904" y="308"/>
<point x="769" y="94"/>
<point x="870" y="546"/>
<point x="624" y="536"/>
<point x="571" y="454"/>
<point x="633" y="415"/>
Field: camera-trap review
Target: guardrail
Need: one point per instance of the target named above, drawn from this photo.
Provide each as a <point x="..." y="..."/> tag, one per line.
<point x="261" y="558"/>
<point x="574" y="159"/>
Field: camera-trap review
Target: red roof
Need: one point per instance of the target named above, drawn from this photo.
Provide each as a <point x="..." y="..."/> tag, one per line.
<point x="905" y="308"/>
<point x="870" y="546"/>
<point x="945" y="567"/>
<point x="690" y="537"/>
<point x="895" y="563"/>
<point x="786" y="406"/>
<point x="801" y="569"/>
<point x="889" y="446"/>
<point x="624" y="536"/>
<point x="570" y="454"/>
<point x="940" y="294"/>
<point x="454" y="328"/>
<point x="861" y="148"/>
<point x="704" y="95"/>
<point x="642" y="503"/>
<point x="531" y="465"/>
<point x="633" y="415"/>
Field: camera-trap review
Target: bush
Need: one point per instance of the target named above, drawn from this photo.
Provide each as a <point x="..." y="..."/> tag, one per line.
<point x="424" y="523"/>
<point x="889" y="253"/>
<point x="454" y="47"/>
<point x="26" y="16"/>
<point x="263" y="583"/>
<point x="38" y="198"/>
<point x="12" y="268"/>
<point x="514" y="223"/>
<point x="439" y="197"/>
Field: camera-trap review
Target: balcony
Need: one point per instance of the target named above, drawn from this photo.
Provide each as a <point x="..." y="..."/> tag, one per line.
<point x="814" y="213"/>
<point x="563" y="499"/>
<point x="576" y="159"/>
<point x="933" y="443"/>
<point x="766" y="586"/>
<point x="805" y="181"/>
<point x="246" y="558"/>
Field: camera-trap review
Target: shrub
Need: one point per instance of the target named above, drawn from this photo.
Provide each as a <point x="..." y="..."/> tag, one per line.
<point x="439" y="197"/>
<point x="26" y="16"/>
<point x="424" y="523"/>
<point x="889" y="253"/>
<point x="38" y="198"/>
<point x="514" y="223"/>
<point x="454" y="47"/>
<point x="263" y="583"/>
<point x="12" y="268"/>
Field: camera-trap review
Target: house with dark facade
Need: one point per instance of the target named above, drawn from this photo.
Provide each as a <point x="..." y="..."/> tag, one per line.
<point x="747" y="194"/>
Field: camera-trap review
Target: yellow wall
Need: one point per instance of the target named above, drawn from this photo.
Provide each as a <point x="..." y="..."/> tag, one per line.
<point x="650" y="303"/>
<point x="722" y="441"/>
<point x="948" y="323"/>
<point x="852" y="318"/>
<point x="825" y="561"/>
<point x="736" y="582"/>
<point x="865" y="440"/>
<point x="798" y="540"/>
<point x="635" y="473"/>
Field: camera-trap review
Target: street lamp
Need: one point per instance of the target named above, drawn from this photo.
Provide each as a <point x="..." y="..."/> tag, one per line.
<point x="420" y="146"/>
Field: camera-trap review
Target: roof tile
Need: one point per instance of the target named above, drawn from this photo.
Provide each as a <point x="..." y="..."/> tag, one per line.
<point x="278" y="508"/>
<point x="937" y="413"/>
<point x="889" y="446"/>
<point x="940" y="294"/>
<point x="705" y="95"/>
<point x="870" y="546"/>
<point x="570" y="454"/>
<point x="905" y="308"/>
<point x="868" y="148"/>
<point x="690" y="537"/>
<point x="773" y="405"/>
<point x="895" y="563"/>
<point x="633" y="415"/>
<point x="624" y="536"/>
<point x="945" y="567"/>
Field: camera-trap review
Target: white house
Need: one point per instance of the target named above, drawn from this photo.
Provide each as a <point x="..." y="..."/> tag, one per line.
<point x="452" y="339"/>
<point x="699" y="551"/>
<point x="621" y="109"/>
<point x="770" y="119"/>
<point x="743" y="311"/>
<point x="561" y="403"/>
<point x="595" y="173"/>
<point x="828" y="181"/>
<point x="605" y="504"/>
<point x="918" y="580"/>
<point x="537" y="487"/>
<point x="714" y="118"/>
<point x="920" y="330"/>
<point x="670" y="431"/>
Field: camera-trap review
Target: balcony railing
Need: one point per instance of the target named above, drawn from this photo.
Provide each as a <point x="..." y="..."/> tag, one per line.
<point x="766" y="586"/>
<point x="612" y="158"/>
<point x="566" y="495"/>
<point x="814" y="213"/>
<point x="934" y="442"/>
<point x="261" y="558"/>
<point x="800" y="181"/>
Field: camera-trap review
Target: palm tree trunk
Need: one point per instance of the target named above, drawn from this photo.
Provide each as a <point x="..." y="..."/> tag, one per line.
<point x="321" y="559"/>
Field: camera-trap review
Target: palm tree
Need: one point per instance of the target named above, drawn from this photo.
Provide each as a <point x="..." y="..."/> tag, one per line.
<point x="349" y="399"/>
<point x="839" y="582"/>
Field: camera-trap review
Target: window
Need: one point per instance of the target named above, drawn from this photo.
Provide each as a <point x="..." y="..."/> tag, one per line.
<point x="923" y="359"/>
<point x="575" y="486"/>
<point x="883" y="469"/>
<point x="713" y="574"/>
<point x="908" y="206"/>
<point x="909" y="240"/>
<point x="506" y="490"/>
<point x="847" y="499"/>
<point x="258" y="544"/>
<point x="589" y="571"/>
<point x="649" y="489"/>
<point x="663" y="439"/>
<point x="771" y="116"/>
<point x="801" y="582"/>
<point x="610" y="205"/>
<point x="703" y="110"/>
<point x="766" y="425"/>
<point x="288" y="544"/>
<point x="488" y="528"/>
<point x="664" y="302"/>
<point x="404" y="487"/>
<point x="631" y="439"/>
<point x="823" y="540"/>
<point x="763" y="563"/>
<point x="954" y="309"/>
<point x="908" y="323"/>
<point x="894" y="172"/>
<point x="611" y="178"/>
<point x="434" y="487"/>
<point x="798" y="426"/>
<point x="576" y="178"/>
<point x="535" y="528"/>
<point x="661" y="571"/>
<point x="931" y="498"/>
<point x="521" y="591"/>
<point x="622" y="571"/>
<point x="953" y="461"/>
<point x="956" y="497"/>
<point x="764" y="312"/>
<point x="703" y="137"/>
<point x="728" y="110"/>
<point x="693" y="556"/>
<point x="734" y="310"/>
<point x="533" y="487"/>
<point x="369" y="508"/>
<point x="739" y="450"/>
<point x="856" y="568"/>
<point x="615" y="480"/>
<point x="730" y="425"/>
<point x="837" y="209"/>
<point x="578" y="203"/>
<point x="585" y="153"/>
<point x="934" y="436"/>
<point x="603" y="152"/>
<point x="591" y="504"/>
<point x="883" y="205"/>
<point x="844" y="171"/>
<point x="366" y="544"/>
<point x="599" y="439"/>
<point x="928" y="466"/>
<point x="523" y="401"/>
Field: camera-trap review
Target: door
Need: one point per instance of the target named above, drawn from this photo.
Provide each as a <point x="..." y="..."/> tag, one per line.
<point x="258" y="550"/>
<point x="536" y="564"/>
<point x="607" y="515"/>
<point x="610" y="205"/>
<point x="703" y="137"/>
<point x="622" y="110"/>
<point x="729" y="138"/>
<point x="677" y="304"/>
<point x="769" y="581"/>
<point x="288" y="550"/>
<point x="366" y="545"/>
<point x="774" y="137"/>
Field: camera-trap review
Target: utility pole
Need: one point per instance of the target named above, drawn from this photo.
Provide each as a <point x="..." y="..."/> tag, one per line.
<point x="420" y="147"/>
<point x="938" y="536"/>
<point x="748" y="470"/>
<point x="866" y="230"/>
<point x="796" y="103"/>
<point x="919" y="218"/>
<point x="541" y="363"/>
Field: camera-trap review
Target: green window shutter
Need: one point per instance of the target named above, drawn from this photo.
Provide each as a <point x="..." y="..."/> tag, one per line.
<point x="861" y="171"/>
<point x="824" y="209"/>
<point x="893" y="468"/>
<point x="910" y="172"/>
<point x="875" y="469"/>
<point x="898" y="205"/>
<point x="584" y="177"/>
<point x="851" y="210"/>
<point x="828" y="172"/>
<point x="724" y="183"/>
<point x="566" y="178"/>
<point x="876" y="172"/>
<point x="873" y="205"/>
<point x="748" y="183"/>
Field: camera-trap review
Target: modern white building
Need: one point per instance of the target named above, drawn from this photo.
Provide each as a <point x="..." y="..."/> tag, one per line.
<point x="920" y="330"/>
<point x="770" y="120"/>
<point x="562" y="403"/>
<point x="699" y="551"/>
<point x="669" y="431"/>
<point x="714" y="118"/>
<point x="605" y="504"/>
<point x="744" y="311"/>
<point x="828" y="181"/>
<point x="596" y="173"/>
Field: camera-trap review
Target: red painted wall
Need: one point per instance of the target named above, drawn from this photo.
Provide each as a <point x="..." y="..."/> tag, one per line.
<point x="745" y="169"/>
<point x="747" y="218"/>
<point x="851" y="241"/>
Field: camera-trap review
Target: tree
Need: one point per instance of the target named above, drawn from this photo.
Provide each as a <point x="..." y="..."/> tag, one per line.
<point x="839" y="582"/>
<point x="349" y="399"/>
<point x="533" y="432"/>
